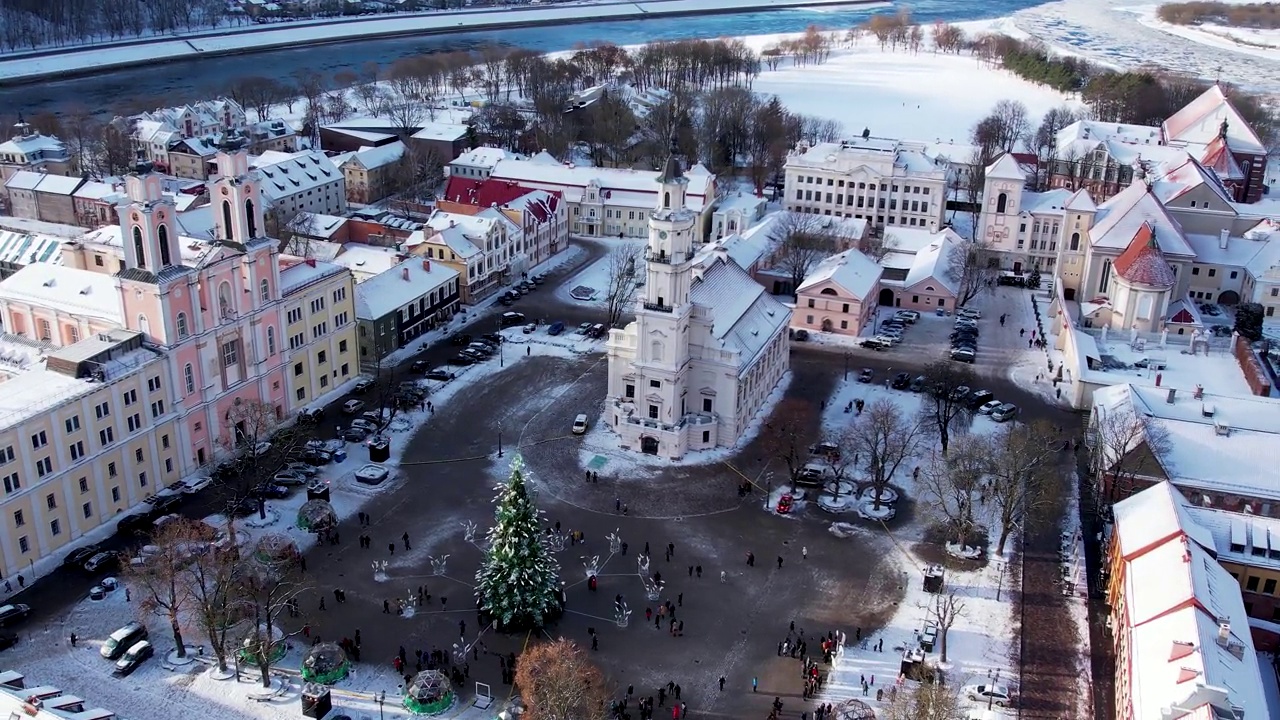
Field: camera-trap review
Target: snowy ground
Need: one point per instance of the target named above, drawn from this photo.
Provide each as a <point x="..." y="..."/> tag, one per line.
<point x="1260" y="43"/>
<point x="153" y="691"/>
<point x="594" y="276"/>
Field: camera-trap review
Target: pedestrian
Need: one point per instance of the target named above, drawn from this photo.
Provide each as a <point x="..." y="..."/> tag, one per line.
<point x="1022" y="332"/>
<point x="73" y="639"/>
<point x="754" y="683"/>
<point x="779" y="562"/>
<point x="699" y="570"/>
<point x="22" y="581"/>
<point x="646" y="548"/>
<point x="337" y="595"/>
<point x="617" y="504"/>
<point x="128" y="597"/>
<point x="804" y="553"/>
<point x="680" y="600"/>
<point x="751" y="561"/>
<point x="690" y="571"/>
<point x="595" y="642"/>
<point x="527" y="351"/>
<point x="391" y="548"/>
<point x="624" y="548"/>
<point x="406" y="540"/>
<point x="671" y="549"/>
<point x="677" y="692"/>
<point x="721" y="683"/>
<point x="386" y="607"/>
<point x="322" y="602"/>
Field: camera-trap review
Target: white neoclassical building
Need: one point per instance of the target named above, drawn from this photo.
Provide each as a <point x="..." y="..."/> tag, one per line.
<point x="707" y="347"/>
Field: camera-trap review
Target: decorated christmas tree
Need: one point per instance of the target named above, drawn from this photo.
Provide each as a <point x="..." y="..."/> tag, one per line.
<point x="519" y="581"/>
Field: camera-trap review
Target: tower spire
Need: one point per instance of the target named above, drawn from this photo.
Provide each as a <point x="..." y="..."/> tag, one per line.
<point x="671" y="171"/>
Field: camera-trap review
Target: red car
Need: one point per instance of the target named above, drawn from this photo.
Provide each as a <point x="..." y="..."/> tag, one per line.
<point x="784" y="504"/>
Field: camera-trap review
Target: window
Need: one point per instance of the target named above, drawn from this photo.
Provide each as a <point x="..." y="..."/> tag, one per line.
<point x="341" y="293"/>
<point x="844" y="307"/>
<point x="84" y="485"/>
<point x="1234" y="274"/>
<point x="844" y="324"/>
<point x="77" y="449"/>
<point x="271" y="341"/>
<point x="1002" y="203"/>
<point x="324" y="381"/>
<point x="1075" y="242"/>
<point x="157" y="408"/>
<point x="102" y="410"/>
<point x="6" y="455"/>
<point x="301" y="393"/>
<point x="19" y="519"/>
<point x="321" y="357"/>
<point x="297" y="369"/>
<point x="130" y="397"/>
<point x="229" y="354"/>
<point x="44" y="466"/>
<point x="629" y="391"/>
<point x="811" y="302"/>
<point x="342" y="318"/>
<point x="74" y="333"/>
<point x="97" y="260"/>
<point x="317" y="305"/>
<point x="115" y="494"/>
<point x="87" y="510"/>
<point x="1195" y="271"/>
<point x="55" y="527"/>
<point x="318" y="331"/>
<point x="111" y="469"/>
<point x="655" y="384"/>
<point x="343" y="372"/>
<point x="46" y="331"/>
<point x="106" y="436"/>
<point x="264" y="290"/>
<point x="24" y="545"/>
<point x="153" y="384"/>
<point x="168" y="465"/>
<point x="39" y="440"/>
<point x="653" y="412"/>
<point x="1212" y="272"/>
<point x="298" y="341"/>
<point x="142" y="479"/>
<point x="189" y="378"/>
<point x="1251" y="584"/>
<point x="1269" y="587"/>
<point x="164" y="441"/>
<point x="11" y="483"/>
<point x="181" y="322"/>
<point x="135" y="422"/>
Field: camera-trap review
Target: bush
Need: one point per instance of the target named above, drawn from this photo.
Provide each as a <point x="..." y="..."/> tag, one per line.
<point x="1249" y="321"/>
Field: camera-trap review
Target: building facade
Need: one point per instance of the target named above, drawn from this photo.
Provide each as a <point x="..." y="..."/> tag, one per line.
<point x="307" y="181"/>
<point x="319" y="313"/>
<point x="542" y="216"/>
<point x="888" y="183"/>
<point x="32" y="151"/>
<point x="840" y="296"/>
<point x="370" y="172"/>
<point x="402" y="304"/>
<point x="38" y="196"/>
<point x="708" y="345"/>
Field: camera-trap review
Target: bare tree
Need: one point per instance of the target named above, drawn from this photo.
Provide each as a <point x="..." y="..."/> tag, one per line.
<point x="1123" y="446"/>
<point x="211" y="578"/>
<point x="1023" y="474"/>
<point x="1045" y="141"/>
<point x="267" y="585"/>
<point x="157" y="573"/>
<point x="787" y="436"/>
<point x="927" y="701"/>
<point x="559" y="682"/>
<point x="884" y="438"/>
<point x="802" y="242"/>
<point x="947" y="608"/>
<point x="247" y="427"/>
<point x="626" y="273"/>
<point x="945" y="404"/>
<point x="951" y="484"/>
<point x="406" y="114"/>
<point x="974" y="268"/>
<point x="972" y="183"/>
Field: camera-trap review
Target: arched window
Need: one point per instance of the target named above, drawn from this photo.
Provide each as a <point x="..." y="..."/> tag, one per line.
<point x="226" y="220"/>
<point x="144" y="325"/>
<point x="655" y="351"/>
<point x="165" y="258"/>
<point x="1075" y="242"/>
<point x="181" y="322"/>
<point x="248" y="218"/>
<point x="224" y="300"/>
<point x="1106" y="276"/>
<point x="137" y="246"/>
<point x="828" y="291"/>
<point x="271" y="341"/>
<point x="264" y="290"/>
<point x="666" y="199"/>
<point x="1002" y="201"/>
<point x="189" y="378"/>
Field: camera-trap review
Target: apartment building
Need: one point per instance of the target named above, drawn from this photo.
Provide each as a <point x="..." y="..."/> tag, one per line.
<point x="542" y="215"/>
<point x="38" y="196"/>
<point x="319" y="327"/>
<point x="480" y="247"/>
<point x="30" y="150"/>
<point x="402" y="304"/>
<point x="306" y="181"/>
<point x="370" y="172"/>
<point x="888" y="183"/>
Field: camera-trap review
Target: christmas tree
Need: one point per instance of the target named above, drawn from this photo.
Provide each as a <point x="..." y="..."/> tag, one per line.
<point x="519" y="581"/>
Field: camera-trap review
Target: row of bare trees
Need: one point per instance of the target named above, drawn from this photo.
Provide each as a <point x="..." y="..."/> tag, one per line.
<point x="26" y="24"/>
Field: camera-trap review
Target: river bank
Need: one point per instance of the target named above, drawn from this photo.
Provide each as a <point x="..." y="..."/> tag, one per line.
<point x="65" y="64"/>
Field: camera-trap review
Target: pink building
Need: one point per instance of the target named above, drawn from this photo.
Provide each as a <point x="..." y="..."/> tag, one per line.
<point x="839" y="296"/>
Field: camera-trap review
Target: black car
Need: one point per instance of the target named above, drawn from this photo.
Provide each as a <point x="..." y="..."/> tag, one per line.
<point x="164" y="504"/>
<point x="441" y="375"/>
<point x="873" y="344"/>
<point x="101" y="561"/>
<point x="510" y="319"/>
<point x="462" y="360"/>
<point x="10" y="614"/>
<point x="355" y="435"/>
<point x="271" y="490"/>
<point x="460" y="339"/>
<point x="901" y="381"/>
<point x="493" y="338"/>
<point x="316" y="457"/>
<point x="77" y="557"/>
<point x="506" y="302"/>
<point x="419" y="366"/>
<point x="8" y="640"/>
<point x="132" y="524"/>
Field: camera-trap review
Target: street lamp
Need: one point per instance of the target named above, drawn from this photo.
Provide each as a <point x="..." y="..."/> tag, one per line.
<point x="499" y="439"/>
<point x="846" y="366"/>
<point x="501" y="342"/>
<point x="380" y="698"/>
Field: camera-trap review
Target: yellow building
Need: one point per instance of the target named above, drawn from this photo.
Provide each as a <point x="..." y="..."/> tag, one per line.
<point x="319" y="327"/>
<point x="87" y="431"/>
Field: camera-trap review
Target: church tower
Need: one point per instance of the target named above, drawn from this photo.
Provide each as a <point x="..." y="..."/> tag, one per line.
<point x="664" y="309"/>
<point x="236" y="198"/>
<point x="147" y="223"/>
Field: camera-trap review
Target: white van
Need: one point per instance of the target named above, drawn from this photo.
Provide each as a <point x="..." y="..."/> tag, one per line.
<point x="580" y="424"/>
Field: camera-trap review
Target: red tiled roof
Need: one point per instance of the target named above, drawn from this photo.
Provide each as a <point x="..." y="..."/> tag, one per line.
<point x="490" y="193"/>
<point x="1142" y="262"/>
<point x="1183" y="317"/>
<point x="1218" y="158"/>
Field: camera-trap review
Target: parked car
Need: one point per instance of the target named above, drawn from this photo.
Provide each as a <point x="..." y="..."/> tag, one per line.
<point x="812" y="475"/>
<point x="596" y="331"/>
<point x="311" y="414"/>
<point x="8" y="640"/>
<point x="355" y="434"/>
<point x="583" y="328"/>
<point x="363" y="424"/>
<point x="580" y="424"/>
<point x="977" y="398"/>
<point x="475" y="355"/>
<point x="261" y="449"/>
<point x="800" y="335"/>
<point x="828" y="450"/>
<point x="1004" y="413"/>
<point x="462" y="360"/>
<point x="481" y="348"/>
<point x="76" y="557"/>
<point x="271" y="490"/>
<point x="351" y="407"/>
<point x="11" y="614"/>
<point x="918" y="383"/>
<point x="888" y="341"/>
<point x="909" y="315"/>
<point x="866" y="376"/>
<point x="419" y="366"/>
<point x="122" y="639"/>
<point x="969" y="313"/>
<point x="901" y="381"/>
<point x="133" y="658"/>
<point x="289" y="479"/>
<point x="494" y="338"/>
<point x="438" y="374"/>
<point x="958" y="394"/>
<point x="300" y="468"/>
<point x="511" y="319"/>
<point x="317" y="457"/>
<point x="362" y="384"/>
<point x="131" y="524"/>
<point x="875" y="343"/>
<point x="988" y="407"/>
<point x="965" y="355"/>
<point x="556" y="328"/>
<point x="996" y="694"/>
<point x="459" y="339"/>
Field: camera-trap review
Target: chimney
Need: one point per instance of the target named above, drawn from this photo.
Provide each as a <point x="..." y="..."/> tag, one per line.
<point x="1224" y="633"/>
<point x="311" y="262"/>
<point x="426" y="265"/>
<point x="1222" y="238"/>
<point x="1173" y="392"/>
<point x="404" y="273"/>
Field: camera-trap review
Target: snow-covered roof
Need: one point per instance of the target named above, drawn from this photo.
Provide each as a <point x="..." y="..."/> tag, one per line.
<point x="912" y="240"/>
<point x="614" y="183"/>
<point x="296" y="273"/>
<point x="1123" y="216"/>
<point x="321" y="250"/>
<point x="295" y="173"/>
<point x="1239" y="252"/>
<point x="1252" y="540"/>
<point x="372" y="158"/>
<point x="748" y="247"/>
<point x="39" y="226"/>
<point x="1080" y="138"/>
<point x="1239" y="461"/>
<point x="94" y="190"/>
<point x="399" y="286"/>
<point x="44" y="182"/>
<point x="1201" y="120"/>
<point x="741" y="202"/>
<point x="744" y="318"/>
<point x="444" y="132"/>
<point x="1173" y="181"/>
<point x="474" y="227"/>
<point x="853" y="271"/>
<point x="366" y="260"/>
<point x="1154" y="516"/>
<point x="1051" y="202"/>
<point x="66" y="289"/>
<point x="197" y="223"/>
<point x="110" y="237"/>
<point x="1081" y="202"/>
<point x="482" y="157"/>
<point x="34" y="144"/>
<point x="18" y="248"/>
<point x="938" y="263"/>
<point x="1006" y="167"/>
<point x="368" y="136"/>
<point x="887" y="157"/>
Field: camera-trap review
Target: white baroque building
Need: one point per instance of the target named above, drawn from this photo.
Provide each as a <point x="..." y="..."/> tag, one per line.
<point x="708" y="345"/>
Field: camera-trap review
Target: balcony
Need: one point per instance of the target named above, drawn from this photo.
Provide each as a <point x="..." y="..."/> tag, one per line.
<point x="663" y="258"/>
<point x="658" y="307"/>
<point x="688" y="419"/>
